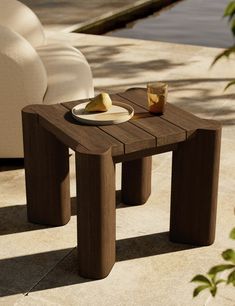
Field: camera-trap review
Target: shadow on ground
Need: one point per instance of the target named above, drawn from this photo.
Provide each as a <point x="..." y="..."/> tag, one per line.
<point x="19" y="273"/>
<point x="14" y="218"/>
<point x="195" y="97"/>
<point x="8" y="164"/>
<point x="104" y="62"/>
<point x="57" y="268"/>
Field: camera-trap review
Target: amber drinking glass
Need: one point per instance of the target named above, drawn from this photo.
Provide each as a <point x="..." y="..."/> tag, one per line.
<point x="157" y="96"/>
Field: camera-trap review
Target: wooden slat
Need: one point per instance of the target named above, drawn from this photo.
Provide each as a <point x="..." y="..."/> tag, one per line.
<point x="165" y="132"/>
<point x="185" y="120"/>
<point x="133" y="137"/>
<point x="74" y="134"/>
<point x="189" y="122"/>
<point x="138" y="133"/>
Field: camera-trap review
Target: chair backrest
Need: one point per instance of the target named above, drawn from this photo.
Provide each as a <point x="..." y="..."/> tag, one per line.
<point x="19" y="18"/>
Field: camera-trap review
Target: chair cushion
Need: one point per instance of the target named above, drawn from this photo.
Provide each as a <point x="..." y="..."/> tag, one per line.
<point x="68" y="73"/>
<point x="19" y="18"/>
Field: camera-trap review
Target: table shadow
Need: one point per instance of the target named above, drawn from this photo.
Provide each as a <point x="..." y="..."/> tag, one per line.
<point x="20" y="272"/>
<point x="14" y="218"/>
<point x="9" y="164"/>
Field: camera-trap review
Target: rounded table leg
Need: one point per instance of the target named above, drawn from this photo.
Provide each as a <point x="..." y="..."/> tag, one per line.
<point x="136" y="180"/>
<point x="96" y="214"/>
<point x="46" y="172"/>
<point x="195" y="172"/>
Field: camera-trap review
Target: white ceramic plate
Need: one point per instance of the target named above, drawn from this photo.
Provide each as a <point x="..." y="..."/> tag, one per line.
<point x="119" y="112"/>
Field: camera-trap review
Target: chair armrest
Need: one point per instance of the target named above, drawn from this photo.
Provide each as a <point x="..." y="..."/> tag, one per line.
<point x="23" y="81"/>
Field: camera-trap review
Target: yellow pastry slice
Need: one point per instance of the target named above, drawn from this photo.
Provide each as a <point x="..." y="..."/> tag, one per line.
<point x="100" y="103"/>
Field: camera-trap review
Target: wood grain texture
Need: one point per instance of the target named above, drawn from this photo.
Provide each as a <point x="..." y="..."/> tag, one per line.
<point x="144" y="153"/>
<point x="132" y="137"/>
<point x="46" y="173"/>
<point x="195" y="172"/>
<point x="164" y="132"/>
<point x="175" y="115"/>
<point x="136" y="181"/>
<point x="195" y="142"/>
<point x="144" y="130"/>
<point x="59" y="121"/>
<point x="96" y="213"/>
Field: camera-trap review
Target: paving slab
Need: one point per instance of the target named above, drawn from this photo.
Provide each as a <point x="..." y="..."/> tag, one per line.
<point x="8" y="297"/>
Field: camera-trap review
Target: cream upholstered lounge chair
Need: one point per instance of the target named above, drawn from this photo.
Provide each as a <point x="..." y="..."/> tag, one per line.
<point x="33" y="72"/>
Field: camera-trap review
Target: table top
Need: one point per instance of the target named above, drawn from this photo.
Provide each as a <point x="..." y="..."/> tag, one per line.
<point x="144" y="131"/>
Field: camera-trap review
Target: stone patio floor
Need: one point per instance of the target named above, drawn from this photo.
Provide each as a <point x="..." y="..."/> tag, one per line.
<point x="38" y="265"/>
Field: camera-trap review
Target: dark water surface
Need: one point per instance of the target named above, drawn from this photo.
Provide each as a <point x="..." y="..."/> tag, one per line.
<point x="197" y="22"/>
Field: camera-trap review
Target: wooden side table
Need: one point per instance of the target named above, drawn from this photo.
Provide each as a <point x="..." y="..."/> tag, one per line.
<point x="50" y="130"/>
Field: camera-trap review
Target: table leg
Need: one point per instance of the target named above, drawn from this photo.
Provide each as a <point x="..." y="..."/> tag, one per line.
<point x="96" y="213"/>
<point x="195" y="172"/>
<point x="46" y="173"/>
<point x="136" y="180"/>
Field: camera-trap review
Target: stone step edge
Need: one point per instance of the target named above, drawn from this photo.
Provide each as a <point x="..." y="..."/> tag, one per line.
<point x="119" y="18"/>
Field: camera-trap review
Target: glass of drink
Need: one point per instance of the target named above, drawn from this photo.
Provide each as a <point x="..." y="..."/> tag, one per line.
<point x="157" y="96"/>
